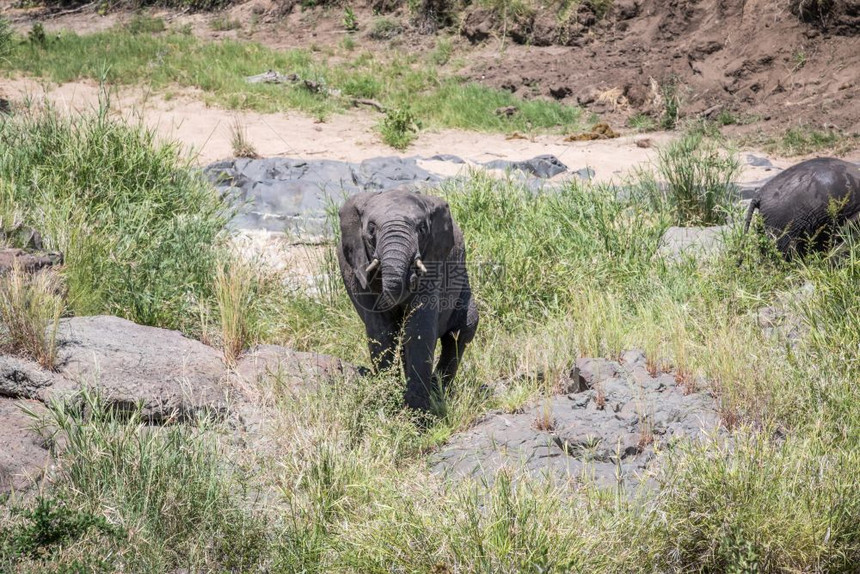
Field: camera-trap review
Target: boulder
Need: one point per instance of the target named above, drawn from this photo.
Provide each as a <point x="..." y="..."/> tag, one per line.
<point x="543" y="166"/>
<point x="608" y="429"/>
<point x="169" y="375"/>
<point x="294" y="196"/>
<point x="293" y="368"/>
<point x="23" y="456"/>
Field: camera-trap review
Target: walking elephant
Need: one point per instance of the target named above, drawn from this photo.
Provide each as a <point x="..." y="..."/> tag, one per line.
<point x="807" y="203"/>
<point x="403" y="262"/>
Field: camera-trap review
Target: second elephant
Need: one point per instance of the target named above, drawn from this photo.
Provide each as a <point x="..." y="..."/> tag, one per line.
<point x="807" y="203"/>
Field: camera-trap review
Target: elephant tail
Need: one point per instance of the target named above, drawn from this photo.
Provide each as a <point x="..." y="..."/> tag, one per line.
<point x="754" y="203"/>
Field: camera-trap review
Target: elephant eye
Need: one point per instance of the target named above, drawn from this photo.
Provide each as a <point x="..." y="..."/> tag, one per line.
<point x="422" y="227"/>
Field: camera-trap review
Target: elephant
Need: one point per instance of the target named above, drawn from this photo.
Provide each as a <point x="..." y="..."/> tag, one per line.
<point x="807" y="203"/>
<point x="403" y="263"/>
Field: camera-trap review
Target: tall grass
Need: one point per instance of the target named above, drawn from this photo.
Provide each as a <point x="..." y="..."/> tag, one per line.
<point x="30" y="309"/>
<point x="137" y="226"/>
<point x="696" y="179"/>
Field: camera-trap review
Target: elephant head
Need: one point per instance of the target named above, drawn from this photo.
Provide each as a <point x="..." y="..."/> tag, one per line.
<point x="390" y="238"/>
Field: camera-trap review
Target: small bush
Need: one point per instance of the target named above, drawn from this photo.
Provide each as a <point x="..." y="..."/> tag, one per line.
<point x="697" y="175"/>
<point x="350" y="22"/>
<point x="385" y="29"/>
<point x="37" y="36"/>
<point x="30" y="312"/>
<point x="671" y="100"/>
<point x="242" y="146"/>
<point x="144" y="24"/>
<point x="399" y="128"/>
<point x="224" y="24"/>
<point x="7" y="35"/>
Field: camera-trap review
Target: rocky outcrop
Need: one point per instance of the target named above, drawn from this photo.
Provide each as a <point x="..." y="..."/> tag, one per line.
<point x="169" y="377"/>
<point x="608" y="428"/>
<point x="28" y="260"/>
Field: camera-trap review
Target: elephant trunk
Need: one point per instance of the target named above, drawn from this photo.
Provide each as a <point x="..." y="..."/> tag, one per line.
<point x="397" y="247"/>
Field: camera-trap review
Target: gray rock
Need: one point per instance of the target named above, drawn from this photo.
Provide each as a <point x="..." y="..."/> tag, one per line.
<point x="294" y="196"/>
<point x="23" y="456"/>
<point x="169" y="375"/>
<point x="23" y="379"/>
<point x="757" y="161"/>
<point x="678" y="242"/>
<point x="28" y="260"/>
<point x="543" y="166"/>
<point x="293" y="368"/>
<point x="451" y="158"/>
<point x="607" y="432"/>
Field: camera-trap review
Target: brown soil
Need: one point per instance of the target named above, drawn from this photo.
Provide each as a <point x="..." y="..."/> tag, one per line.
<point x="767" y="67"/>
<point x="753" y="58"/>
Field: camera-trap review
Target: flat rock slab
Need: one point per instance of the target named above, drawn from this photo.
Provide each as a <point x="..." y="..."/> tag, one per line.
<point x="23" y="456"/>
<point x="293" y="368"/>
<point x="608" y="433"/>
<point x="678" y="242"/>
<point x="168" y="374"/>
<point x="293" y="196"/>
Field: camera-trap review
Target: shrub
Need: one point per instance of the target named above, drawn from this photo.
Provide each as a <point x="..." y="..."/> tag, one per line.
<point x="7" y="35"/>
<point x="137" y="226"/>
<point x="30" y="310"/>
<point x="697" y="175"/>
<point x="143" y="24"/>
<point x="224" y="24"/>
<point x="399" y="128"/>
<point x="385" y="29"/>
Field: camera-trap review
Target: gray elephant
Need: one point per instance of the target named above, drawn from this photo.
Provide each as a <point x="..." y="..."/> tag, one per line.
<point x="403" y="263"/>
<point x="807" y="203"/>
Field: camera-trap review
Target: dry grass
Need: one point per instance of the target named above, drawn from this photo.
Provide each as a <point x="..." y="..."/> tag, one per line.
<point x="30" y="310"/>
<point x="241" y="144"/>
<point x="234" y="291"/>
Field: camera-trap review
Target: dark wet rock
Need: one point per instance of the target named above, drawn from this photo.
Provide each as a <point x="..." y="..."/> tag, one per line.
<point x="543" y="166"/>
<point x="293" y="196"/>
<point x="678" y="242"/>
<point x="757" y="161"/>
<point x="169" y="375"/>
<point x="29" y="260"/>
<point x="293" y="368"/>
<point x="585" y="173"/>
<point x="451" y="158"/>
<point x="607" y="430"/>
<point x="23" y="456"/>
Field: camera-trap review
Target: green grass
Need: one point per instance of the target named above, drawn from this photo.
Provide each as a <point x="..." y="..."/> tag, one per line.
<point x="168" y="60"/>
<point x="804" y="140"/>
<point x="138" y="228"/>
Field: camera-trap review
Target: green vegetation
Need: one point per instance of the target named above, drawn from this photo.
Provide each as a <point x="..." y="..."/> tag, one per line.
<point x="350" y="21"/>
<point x="399" y="128"/>
<point x="804" y="140"/>
<point x="219" y="69"/>
<point x="144" y="24"/>
<point x="225" y="24"/>
<point x="7" y="37"/>
<point x="695" y="180"/>
<point x="30" y="309"/>
<point x="137" y="227"/>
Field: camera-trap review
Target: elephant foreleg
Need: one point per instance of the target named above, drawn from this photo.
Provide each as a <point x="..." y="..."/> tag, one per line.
<point x="381" y="342"/>
<point x="419" y="344"/>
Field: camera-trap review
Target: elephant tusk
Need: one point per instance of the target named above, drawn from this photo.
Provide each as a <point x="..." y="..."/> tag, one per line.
<point x="420" y="265"/>
<point x="374" y="265"/>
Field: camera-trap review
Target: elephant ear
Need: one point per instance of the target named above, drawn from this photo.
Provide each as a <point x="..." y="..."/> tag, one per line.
<point x="351" y="241"/>
<point x="441" y="229"/>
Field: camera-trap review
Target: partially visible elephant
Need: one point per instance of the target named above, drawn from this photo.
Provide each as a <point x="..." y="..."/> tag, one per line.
<point x="807" y="203"/>
<point x="403" y="263"/>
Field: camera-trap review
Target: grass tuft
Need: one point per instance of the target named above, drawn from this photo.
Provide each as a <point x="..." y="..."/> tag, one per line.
<point x="30" y="310"/>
